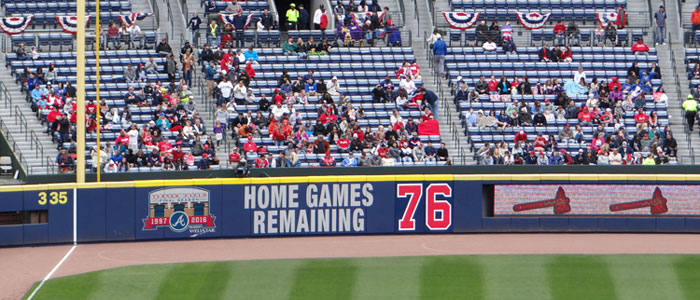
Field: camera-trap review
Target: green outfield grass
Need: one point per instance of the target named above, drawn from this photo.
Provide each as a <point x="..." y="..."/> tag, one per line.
<point x="437" y="277"/>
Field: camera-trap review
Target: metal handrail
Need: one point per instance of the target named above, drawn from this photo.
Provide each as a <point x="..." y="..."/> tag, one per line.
<point x="11" y="141"/>
<point x="156" y="14"/>
<point x="676" y="80"/>
<point x="37" y="146"/>
<point x="22" y="122"/>
<point x="415" y="14"/>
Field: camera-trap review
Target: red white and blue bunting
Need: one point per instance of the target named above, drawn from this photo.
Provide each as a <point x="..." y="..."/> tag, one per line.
<point x="461" y="20"/>
<point x="69" y="24"/>
<point x="15" y="25"/>
<point x="133" y="17"/>
<point x="532" y="20"/>
<point x="605" y="17"/>
<point x="362" y="17"/>
<point x="228" y="19"/>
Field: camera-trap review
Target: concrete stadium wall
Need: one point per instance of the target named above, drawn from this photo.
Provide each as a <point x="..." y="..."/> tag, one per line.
<point x="351" y="205"/>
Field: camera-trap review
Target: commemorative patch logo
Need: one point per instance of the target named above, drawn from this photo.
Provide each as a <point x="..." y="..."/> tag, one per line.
<point x="181" y="210"/>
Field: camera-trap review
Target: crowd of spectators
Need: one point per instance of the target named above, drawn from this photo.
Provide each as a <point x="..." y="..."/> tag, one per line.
<point x="605" y="109"/>
<point x="230" y="73"/>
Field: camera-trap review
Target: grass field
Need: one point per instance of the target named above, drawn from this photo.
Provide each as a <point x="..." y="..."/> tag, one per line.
<point x="436" y="277"/>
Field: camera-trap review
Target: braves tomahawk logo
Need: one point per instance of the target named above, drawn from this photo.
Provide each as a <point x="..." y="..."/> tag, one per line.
<point x="180" y="209"/>
<point x="560" y="203"/>
<point x="657" y="204"/>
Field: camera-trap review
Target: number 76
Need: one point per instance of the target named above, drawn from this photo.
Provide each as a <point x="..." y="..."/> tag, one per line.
<point x="438" y="212"/>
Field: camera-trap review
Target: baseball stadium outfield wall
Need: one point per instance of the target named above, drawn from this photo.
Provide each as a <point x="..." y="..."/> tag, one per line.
<point x="351" y="205"/>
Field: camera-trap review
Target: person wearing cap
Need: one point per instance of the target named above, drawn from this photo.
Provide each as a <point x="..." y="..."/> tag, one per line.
<point x="304" y="17"/>
<point x="163" y="49"/>
<point x="292" y="17"/>
<point x="691" y="109"/>
<point x="320" y="18"/>
<point x="349" y="161"/>
<point x="439" y="52"/>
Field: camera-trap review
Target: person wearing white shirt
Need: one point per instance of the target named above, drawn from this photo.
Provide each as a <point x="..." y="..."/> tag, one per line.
<point x="580" y="74"/>
<point x="433" y="37"/>
<point x="489" y="47"/>
<point x="278" y="111"/>
<point x="408" y="85"/>
<point x="239" y="92"/>
<point x="136" y="35"/>
<point x="317" y="17"/>
<point x="333" y="87"/>
<point x="226" y="87"/>
<point x="401" y="101"/>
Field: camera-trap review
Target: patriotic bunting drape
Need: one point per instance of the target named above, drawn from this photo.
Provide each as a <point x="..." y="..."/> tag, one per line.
<point x="461" y="20"/>
<point x="228" y="19"/>
<point x="605" y="17"/>
<point x="69" y="24"/>
<point x="133" y="17"/>
<point x="532" y="20"/>
<point x="362" y="17"/>
<point x="15" y="25"/>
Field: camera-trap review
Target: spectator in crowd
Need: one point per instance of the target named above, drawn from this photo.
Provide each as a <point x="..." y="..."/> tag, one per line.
<point x="482" y="32"/>
<point x="135" y="34"/>
<point x="660" y="23"/>
<point x="439" y="52"/>
<point x="320" y="18"/>
<point x="163" y="49"/>
<point x="489" y="47"/>
<point x="21" y="52"/>
<point x="695" y="20"/>
<point x="559" y="33"/>
<point x="193" y="25"/>
<point x="621" y="21"/>
<point x="573" y="34"/>
<point x="304" y="17"/>
<point x="640" y="46"/>
<point x="113" y="36"/>
<point x="611" y="33"/>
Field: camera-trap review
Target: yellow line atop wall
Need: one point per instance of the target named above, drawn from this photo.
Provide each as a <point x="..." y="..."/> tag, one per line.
<point x="516" y="178"/>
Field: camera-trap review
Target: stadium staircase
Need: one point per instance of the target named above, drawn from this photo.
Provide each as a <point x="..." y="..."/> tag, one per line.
<point x="448" y="115"/>
<point x="33" y="145"/>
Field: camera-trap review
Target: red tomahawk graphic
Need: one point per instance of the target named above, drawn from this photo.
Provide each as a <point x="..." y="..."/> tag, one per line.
<point x="657" y="204"/>
<point x="560" y="204"/>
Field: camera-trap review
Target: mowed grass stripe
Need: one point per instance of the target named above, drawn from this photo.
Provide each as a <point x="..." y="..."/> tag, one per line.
<point x="81" y="286"/>
<point x="686" y="268"/>
<point x="262" y="279"/>
<point x="579" y="277"/>
<point x="452" y="277"/>
<point x="388" y="278"/>
<point x="644" y="277"/>
<point x="134" y="282"/>
<point x="515" y="277"/>
<point x="196" y="281"/>
<point x="324" y="279"/>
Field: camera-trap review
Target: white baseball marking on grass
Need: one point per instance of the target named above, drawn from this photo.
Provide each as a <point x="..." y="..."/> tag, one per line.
<point x="52" y="271"/>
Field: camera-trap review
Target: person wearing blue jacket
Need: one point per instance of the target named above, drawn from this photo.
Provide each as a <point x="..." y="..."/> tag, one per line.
<point x="439" y="51"/>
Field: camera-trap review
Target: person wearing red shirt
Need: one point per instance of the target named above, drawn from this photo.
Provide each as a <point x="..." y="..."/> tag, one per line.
<point x="641" y="119"/>
<point x="621" y="20"/>
<point x="566" y="55"/>
<point x="250" y="146"/>
<point x="262" y="162"/>
<point x="178" y="157"/>
<point x="51" y="117"/>
<point x="415" y="70"/>
<point x="358" y="132"/>
<point x="560" y="33"/>
<point x="164" y="146"/>
<point x="343" y="143"/>
<point x="520" y="136"/>
<point x="123" y="138"/>
<point x="539" y="143"/>
<point x="328" y="160"/>
<point x="585" y="116"/>
<point x="640" y="46"/>
<point x="614" y="82"/>
<point x="426" y="115"/>
<point x="249" y="70"/>
<point x="90" y="108"/>
<point x="328" y="117"/>
<point x="234" y="157"/>
<point x="382" y="151"/>
<point x="493" y="85"/>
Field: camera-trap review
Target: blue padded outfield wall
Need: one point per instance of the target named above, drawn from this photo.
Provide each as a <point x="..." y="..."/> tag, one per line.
<point x="351" y="205"/>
